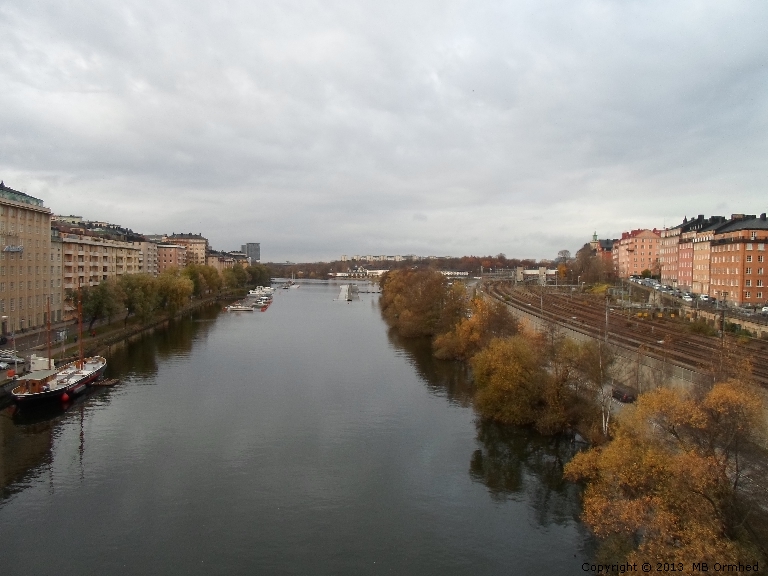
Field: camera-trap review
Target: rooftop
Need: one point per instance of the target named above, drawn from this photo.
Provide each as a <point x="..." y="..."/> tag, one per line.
<point x="16" y="196"/>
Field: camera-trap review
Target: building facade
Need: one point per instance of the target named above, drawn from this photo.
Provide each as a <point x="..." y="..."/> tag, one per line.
<point x="196" y="246"/>
<point x="148" y="258"/>
<point x="25" y="260"/>
<point x="739" y="261"/>
<point x="252" y="250"/>
<point x="88" y="260"/>
<point x="171" y="256"/>
<point x="220" y="260"/>
<point x="637" y="251"/>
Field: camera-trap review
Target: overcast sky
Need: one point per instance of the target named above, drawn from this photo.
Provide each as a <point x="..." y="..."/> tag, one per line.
<point x="360" y="127"/>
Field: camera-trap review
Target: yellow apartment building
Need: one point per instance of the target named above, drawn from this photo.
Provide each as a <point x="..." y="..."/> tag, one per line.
<point x="196" y="245"/>
<point x="25" y="266"/>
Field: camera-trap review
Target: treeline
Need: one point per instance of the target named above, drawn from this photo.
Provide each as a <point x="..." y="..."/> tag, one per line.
<point x="471" y="264"/>
<point x="143" y="295"/>
<point x="677" y="477"/>
<point x="541" y="380"/>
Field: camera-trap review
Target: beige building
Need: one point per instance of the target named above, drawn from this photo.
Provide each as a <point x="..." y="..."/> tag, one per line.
<point x="25" y="266"/>
<point x="196" y="245"/>
<point x="171" y="256"/>
<point x="220" y="261"/>
<point x="87" y="260"/>
<point x="148" y="258"/>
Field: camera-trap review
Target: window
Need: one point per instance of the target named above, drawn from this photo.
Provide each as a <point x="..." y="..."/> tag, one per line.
<point x="759" y="283"/>
<point x="749" y="271"/>
<point x="748" y="283"/>
<point x="761" y="247"/>
<point x="749" y="246"/>
<point x="747" y="295"/>
<point x="760" y="258"/>
<point x="749" y="257"/>
<point x="759" y="295"/>
<point x="760" y="271"/>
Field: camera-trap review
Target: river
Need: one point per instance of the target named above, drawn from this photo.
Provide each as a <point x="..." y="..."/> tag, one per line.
<point x="307" y="439"/>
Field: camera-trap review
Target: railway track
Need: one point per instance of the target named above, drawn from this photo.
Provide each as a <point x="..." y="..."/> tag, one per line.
<point x="665" y="339"/>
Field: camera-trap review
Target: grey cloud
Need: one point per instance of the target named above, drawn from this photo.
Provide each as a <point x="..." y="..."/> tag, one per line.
<point x="314" y="128"/>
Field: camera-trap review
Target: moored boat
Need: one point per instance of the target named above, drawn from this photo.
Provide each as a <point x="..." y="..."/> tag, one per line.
<point x="239" y="308"/>
<point x="70" y="379"/>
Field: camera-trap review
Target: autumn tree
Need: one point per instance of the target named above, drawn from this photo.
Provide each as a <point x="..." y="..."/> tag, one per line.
<point x="487" y="320"/>
<point x="413" y="301"/>
<point x="173" y="290"/>
<point x="509" y="375"/>
<point x="672" y="483"/>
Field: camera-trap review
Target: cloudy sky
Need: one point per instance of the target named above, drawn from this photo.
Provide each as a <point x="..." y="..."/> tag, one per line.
<point x="368" y="127"/>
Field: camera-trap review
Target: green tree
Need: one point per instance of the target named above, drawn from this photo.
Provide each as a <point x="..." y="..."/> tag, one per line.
<point x="258" y="275"/>
<point x="212" y="278"/>
<point x="235" y="277"/>
<point x="139" y="295"/>
<point x="173" y="291"/>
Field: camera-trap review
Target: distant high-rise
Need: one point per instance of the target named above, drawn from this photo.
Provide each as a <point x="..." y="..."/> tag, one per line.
<point x="253" y="251"/>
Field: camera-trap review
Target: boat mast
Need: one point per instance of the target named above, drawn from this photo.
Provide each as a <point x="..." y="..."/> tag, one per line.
<point x="48" y="332"/>
<point x="80" y="324"/>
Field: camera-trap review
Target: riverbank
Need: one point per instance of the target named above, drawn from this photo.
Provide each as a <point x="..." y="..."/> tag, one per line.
<point x="103" y="336"/>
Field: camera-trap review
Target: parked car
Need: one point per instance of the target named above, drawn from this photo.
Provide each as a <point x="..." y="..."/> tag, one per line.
<point x="625" y="395"/>
<point x="764" y="310"/>
<point x="687" y="298"/>
<point x="704" y="297"/>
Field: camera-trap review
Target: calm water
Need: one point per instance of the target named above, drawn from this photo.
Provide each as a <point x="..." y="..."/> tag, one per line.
<point x="304" y="440"/>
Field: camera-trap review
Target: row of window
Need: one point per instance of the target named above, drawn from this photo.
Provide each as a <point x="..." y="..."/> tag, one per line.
<point x="30" y="302"/>
<point x="12" y="285"/>
<point x="758" y="295"/>
<point x="12" y="270"/>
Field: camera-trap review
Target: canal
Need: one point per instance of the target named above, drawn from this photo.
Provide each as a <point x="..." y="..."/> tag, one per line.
<point x="308" y="439"/>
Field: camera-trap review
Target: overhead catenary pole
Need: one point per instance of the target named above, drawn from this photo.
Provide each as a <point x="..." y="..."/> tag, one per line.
<point x="48" y="332"/>
<point x="80" y="326"/>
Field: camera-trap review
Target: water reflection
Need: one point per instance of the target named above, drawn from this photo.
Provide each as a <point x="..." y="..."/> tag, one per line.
<point x="517" y="463"/>
<point x="23" y="450"/>
<point x="449" y="378"/>
<point x="514" y="463"/>
<point x="139" y="357"/>
<point x="26" y="436"/>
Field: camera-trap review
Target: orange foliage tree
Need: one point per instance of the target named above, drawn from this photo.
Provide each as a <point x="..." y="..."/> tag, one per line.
<point x="487" y="320"/>
<point x="671" y="485"/>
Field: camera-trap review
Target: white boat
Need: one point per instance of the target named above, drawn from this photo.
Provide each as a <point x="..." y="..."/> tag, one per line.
<point x="240" y="308"/>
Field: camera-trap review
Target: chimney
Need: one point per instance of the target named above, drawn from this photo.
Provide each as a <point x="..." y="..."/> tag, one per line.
<point x="762" y="216"/>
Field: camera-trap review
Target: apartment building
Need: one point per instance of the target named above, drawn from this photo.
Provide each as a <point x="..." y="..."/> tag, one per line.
<point x="219" y="260"/>
<point x="196" y="246"/>
<point x="738" y="261"/>
<point x="636" y="251"/>
<point x="171" y="256"/>
<point x="25" y="266"/>
<point x="148" y="258"/>
<point x="89" y="259"/>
